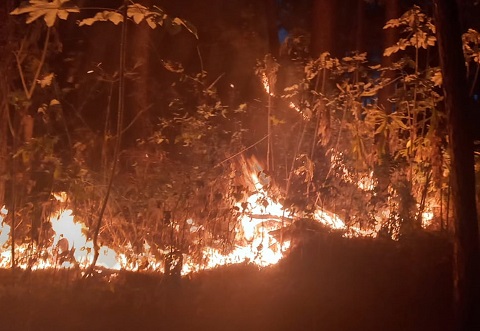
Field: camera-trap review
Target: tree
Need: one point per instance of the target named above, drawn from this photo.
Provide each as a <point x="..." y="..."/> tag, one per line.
<point x="3" y="111"/>
<point x="323" y="20"/>
<point x="458" y="106"/>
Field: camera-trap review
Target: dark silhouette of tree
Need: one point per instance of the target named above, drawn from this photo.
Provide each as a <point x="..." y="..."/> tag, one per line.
<point x="323" y="20"/>
<point x="458" y="106"/>
<point x="390" y="37"/>
<point x="271" y="11"/>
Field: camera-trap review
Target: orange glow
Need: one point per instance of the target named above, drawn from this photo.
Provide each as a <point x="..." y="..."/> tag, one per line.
<point x="257" y="235"/>
<point x="266" y="84"/>
<point x="4" y="228"/>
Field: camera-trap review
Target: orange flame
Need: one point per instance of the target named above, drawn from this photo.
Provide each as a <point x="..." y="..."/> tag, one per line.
<point x="261" y="217"/>
<point x="266" y="84"/>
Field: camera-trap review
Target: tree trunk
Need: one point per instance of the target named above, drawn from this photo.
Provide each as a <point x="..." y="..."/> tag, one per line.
<point x="390" y="37"/>
<point x="382" y="170"/>
<point x="271" y="11"/>
<point x="323" y="26"/>
<point x="360" y="27"/>
<point x="3" y="138"/>
<point x="5" y="62"/>
<point x="459" y="109"/>
<point x="137" y="113"/>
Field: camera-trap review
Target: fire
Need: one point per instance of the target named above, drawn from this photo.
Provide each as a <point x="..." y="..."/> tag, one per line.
<point x="70" y="238"/>
<point x="260" y="219"/>
<point x="4" y="228"/>
<point x="69" y="246"/>
<point x="258" y="235"/>
<point x="266" y="84"/>
<point x="255" y="240"/>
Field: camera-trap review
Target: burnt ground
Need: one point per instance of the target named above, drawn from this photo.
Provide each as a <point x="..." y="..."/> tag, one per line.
<point x="329" y="283"/>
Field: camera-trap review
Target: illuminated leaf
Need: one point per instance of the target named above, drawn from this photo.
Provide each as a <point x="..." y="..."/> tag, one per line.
<point x="275" y="121"/>
<point x="437" y="78"/>
<point x="189" y="26"/>
<point x="46" y="80"/>
<point x="106" y="15"/>
<point x="62" y="14"/>
<point x="49" y="10"/>
<point x="54" y="102"/>
<point x="137" y="12"/>
<point x="151" y="22"/>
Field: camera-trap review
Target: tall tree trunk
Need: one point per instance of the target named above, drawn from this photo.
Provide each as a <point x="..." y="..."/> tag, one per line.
<point x="382" y="170"/>
<point x="137" y="113"/>
<point x="3" y="136"/>
<point x="390" y="37"/>
<point x="360" y="27"/>
<point x="5" y="63"/>
<point x="323" y="20"/>
<point x="271" y="10"/>
<point x="459" y="109"/>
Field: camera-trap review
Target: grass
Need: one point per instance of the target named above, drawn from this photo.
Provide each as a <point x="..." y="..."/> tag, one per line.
<point x="327" y="283"/>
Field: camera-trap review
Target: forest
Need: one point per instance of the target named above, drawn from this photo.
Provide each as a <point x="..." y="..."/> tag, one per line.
<point x="240" y="164"/>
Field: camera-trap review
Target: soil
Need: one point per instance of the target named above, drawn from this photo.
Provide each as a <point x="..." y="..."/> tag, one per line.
<point x="326" y="283"/>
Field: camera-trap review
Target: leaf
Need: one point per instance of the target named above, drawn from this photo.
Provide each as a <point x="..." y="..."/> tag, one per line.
<point x="50" y="10"/>
<point x="390" y="50"/>
<point x="137" y="18"/>
<point x="62" y="14"/>
<point x="151" y="22"/>
<point x="46" y="80"/>
<point x="437" y="78"/>
<point x="381" y="128"/>
<point x="189" y="26"/>
<point x="106" y="15"/>
<point x="398" y="121"/>
<point x="137" y="12"/>
<point x="54" y="102"/>
<point x="393" y="23"/>
<point x="115" y="17"/>
<point x="275" y="121"/>
<point x="242" y="108"/>
<point x="340" y="88"/>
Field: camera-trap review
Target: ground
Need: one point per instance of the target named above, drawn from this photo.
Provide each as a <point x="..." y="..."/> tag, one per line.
<point x="327" y="283"/>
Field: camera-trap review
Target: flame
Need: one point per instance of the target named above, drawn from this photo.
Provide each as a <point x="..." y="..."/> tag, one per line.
<point x="255" y="242"/>
<point x="266" y="84"/>
<point x="261" y="218"/>
<point x="69" y="246"/>
<point x="4" y="228"/>
<point x="258" y="235"/>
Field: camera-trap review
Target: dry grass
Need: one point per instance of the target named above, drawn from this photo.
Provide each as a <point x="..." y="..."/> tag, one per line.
<point x="326" y="284"/>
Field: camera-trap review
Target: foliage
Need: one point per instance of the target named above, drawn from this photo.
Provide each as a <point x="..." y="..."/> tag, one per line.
<point x="344" y="123"/>
<point x="178" y="188"/>
<point x="47" y="9"/>
<point x="417" y="28"/>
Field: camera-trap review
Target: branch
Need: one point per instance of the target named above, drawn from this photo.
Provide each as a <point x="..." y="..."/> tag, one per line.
<point x="136" y="118"/>
<point x="40" y="65"/>
<point x="29" y="91"/>
<point x="243" y="150"/>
